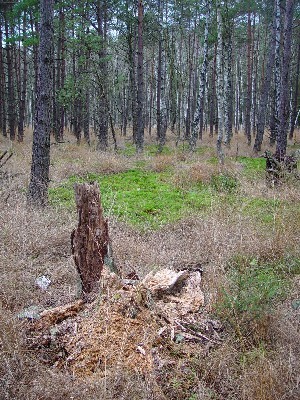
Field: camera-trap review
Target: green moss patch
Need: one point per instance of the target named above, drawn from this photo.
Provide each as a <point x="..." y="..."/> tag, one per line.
<point x="142" y="198"/>
<point x="253" y="166"/>
<point x="149" y="199"/>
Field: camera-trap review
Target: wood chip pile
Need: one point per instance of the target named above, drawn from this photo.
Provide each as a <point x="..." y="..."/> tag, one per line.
<point x="128" y="326"/>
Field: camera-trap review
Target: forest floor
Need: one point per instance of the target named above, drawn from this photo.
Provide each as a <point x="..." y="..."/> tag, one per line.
<point x="171" y="210"/>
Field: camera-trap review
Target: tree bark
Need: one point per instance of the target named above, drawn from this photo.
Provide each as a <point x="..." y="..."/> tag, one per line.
<point x="60" y="78"/>
<point x="38" y="187"/>
<point x="90" y="240"/>
<point x="212" y="113"/>
<point x="249" y="82"/>
<point x="102" y="113"/>
<point x="131" y="59"/>
<point x="86" y="118"/>
<point x="285" y="79"/>
<point x="160" y="112"/>
<point x="255" y="63"/>
<point x="277" y="76"/>
<point x="22" y="101"/>
<point x="198" y="119"/>
<point x="140" y="82"/>
<point x="2" y="85"/>
<point x="173" y="83"/>
<point x="228" y="101"/>
<point x="265" y="89"/>
<point x="151" y="100"/>
<point x="189" y="91"/>
<point x="220" y="86"/>
<point x="295" y="102"/>
<point x="10" y="84"/>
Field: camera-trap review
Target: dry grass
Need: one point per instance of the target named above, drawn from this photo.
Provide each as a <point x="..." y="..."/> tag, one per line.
<point x="35" y="243"/>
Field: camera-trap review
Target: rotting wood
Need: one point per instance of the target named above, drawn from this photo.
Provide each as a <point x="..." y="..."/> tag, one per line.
<point x="56" y="315"/>
<point x="90" y="240"/>
<point x="277" y="169"/>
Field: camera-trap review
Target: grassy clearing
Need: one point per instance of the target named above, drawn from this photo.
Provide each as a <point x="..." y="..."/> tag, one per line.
<point x="148" y="199"/>
<point x="142" y="198"/>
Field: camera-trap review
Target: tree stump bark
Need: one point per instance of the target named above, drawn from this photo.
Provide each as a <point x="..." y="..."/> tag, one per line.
<point x="277" y="168"/>
<point x="90" y="240"/>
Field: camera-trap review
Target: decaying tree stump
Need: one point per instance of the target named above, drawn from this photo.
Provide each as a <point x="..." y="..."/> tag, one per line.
<point x="90" y="240"/>
<point x="277" y="169"/>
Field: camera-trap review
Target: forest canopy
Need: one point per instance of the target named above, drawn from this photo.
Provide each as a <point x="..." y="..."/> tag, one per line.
<point x="148" y="66"/>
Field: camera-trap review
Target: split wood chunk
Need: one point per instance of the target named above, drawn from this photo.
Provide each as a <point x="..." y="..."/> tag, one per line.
<point x="56" y="315"/>
<point x="90" y="240"/>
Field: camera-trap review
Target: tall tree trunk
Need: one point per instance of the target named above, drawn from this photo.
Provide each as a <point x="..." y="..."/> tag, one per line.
<point x="58" y="110"/>
<point x="151" y="101"/>
<point x="191" y="49"/>
<point x="228" y="101"/>
<point x="131" y="43"/>
<point x="2" y="85"/>
<point x="22" y="102"/>
<point x="277" y="76"/>
<point x="255" y="63"/>
<point x="160" y="112"/>
<point x="102" y="117"/>
<point x="265" y="88"/>
<point x="10" y="84"/>
<point x="295" y="102"/>
<point x="198" y="119"/>
<point x="173" y="83"/>
<point x="140" y="81"/>
<point x="180" y="87"/>
<point x="124" y="111"/>
<point x="220" y="85"/>
<point x="160" y="138"/>
<point x="249" y="81"/>
<point x="86" y="118"/>
<point x="34" y="31"/>
<point x="213" y="94"/>
<point x="39" y="180"/>
<point x="285" y="80"/>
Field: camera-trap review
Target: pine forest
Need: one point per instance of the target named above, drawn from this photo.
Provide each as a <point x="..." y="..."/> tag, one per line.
<point x="149" y="199"/>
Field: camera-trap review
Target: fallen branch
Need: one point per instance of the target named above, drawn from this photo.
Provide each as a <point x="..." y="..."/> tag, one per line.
<point x="5" y="159"/>
<point x="56" y="315"/>
<point x="194" y="333"/>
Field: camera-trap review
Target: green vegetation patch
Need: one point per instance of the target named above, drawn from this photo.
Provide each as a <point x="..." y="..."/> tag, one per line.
<point x="254" y="289"/>
<point x="148" y="199"/>
<point x="252" y="166"/>
<point x="224" y="183"/>
<point x="153" y="149"/>
<point x="128" y="151"/>
<point x="149" y="150"/>
<point x="265" y="210"/>
<point x="143" y="198"/>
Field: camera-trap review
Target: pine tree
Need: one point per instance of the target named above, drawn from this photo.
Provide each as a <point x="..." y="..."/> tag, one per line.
<point x="38" y="187"/>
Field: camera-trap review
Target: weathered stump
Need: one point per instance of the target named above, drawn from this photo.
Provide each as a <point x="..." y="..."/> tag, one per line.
<point x="90" y="240"/>
<point x="278" y="168"/>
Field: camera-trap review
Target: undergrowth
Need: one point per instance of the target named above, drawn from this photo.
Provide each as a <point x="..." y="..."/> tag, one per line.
<point x="245" y="237"/>
<point x="142" y="198"/>
<point x="150" y="199"/>
<point x="252" y="291"/>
